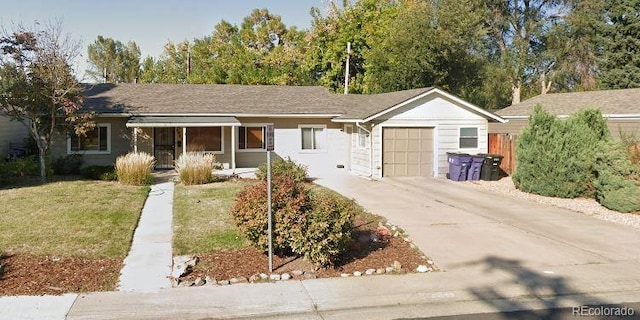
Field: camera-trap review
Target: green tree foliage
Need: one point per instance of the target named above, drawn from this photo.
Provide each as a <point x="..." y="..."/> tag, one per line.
<point x="37" y="86"/>
<point x="112" y="61"/>
<point x="620" y="63"/>
<point x="556" y="158"/>
<point x="613" y="187"/>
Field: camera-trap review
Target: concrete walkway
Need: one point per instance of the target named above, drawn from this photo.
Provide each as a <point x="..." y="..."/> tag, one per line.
<point x="148" y="265"/>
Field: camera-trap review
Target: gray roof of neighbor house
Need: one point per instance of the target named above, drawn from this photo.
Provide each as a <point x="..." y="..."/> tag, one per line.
<point x="610" y="102"/>
<point x="220" y="99"/>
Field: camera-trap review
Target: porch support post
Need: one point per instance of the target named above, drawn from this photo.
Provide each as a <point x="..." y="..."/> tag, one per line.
<point x="233" y="147"/>
<point x="135" y="140"/>
<point x="184" y="140"/>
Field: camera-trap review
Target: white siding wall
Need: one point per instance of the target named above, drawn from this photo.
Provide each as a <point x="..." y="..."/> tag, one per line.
<point x="11" y="132"/>
<point x="439" y="113"/>
<point x="360" y="157"/>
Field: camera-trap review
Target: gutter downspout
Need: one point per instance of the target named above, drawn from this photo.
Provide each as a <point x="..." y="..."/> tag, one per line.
<point x="359" y="125"/>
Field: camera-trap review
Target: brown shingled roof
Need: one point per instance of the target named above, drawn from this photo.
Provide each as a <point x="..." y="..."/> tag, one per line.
<point x="610" y="102"/>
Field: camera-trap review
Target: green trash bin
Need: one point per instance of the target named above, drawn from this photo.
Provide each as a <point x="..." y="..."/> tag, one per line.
<point x="491" y="167"/>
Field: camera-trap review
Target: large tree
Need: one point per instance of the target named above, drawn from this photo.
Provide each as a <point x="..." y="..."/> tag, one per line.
<point x="619" y="61"/>
<point x="37" y="85"/>
<point x="112" y="61"/>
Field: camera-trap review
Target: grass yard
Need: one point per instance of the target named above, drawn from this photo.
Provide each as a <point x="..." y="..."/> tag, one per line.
<point x="87" y="219"/>
<point x="201" y="219"/>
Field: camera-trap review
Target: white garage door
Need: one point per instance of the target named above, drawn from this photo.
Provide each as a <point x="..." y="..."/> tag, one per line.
<point x="407" y="152"/>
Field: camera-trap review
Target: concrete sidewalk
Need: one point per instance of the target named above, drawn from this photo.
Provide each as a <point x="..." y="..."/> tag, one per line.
<point x="148" y="265"/>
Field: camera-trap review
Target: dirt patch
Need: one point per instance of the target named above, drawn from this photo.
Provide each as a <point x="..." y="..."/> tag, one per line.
<point x="25" y="274"/>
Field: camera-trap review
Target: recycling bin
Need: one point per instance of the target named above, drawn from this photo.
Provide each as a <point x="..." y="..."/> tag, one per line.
<point x="475" y="167"/>
<point x="458" y="165"/>
<point x="491" y="168"/>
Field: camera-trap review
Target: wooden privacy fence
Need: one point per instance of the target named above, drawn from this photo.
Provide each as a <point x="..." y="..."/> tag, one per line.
<point x="504" y="144"/>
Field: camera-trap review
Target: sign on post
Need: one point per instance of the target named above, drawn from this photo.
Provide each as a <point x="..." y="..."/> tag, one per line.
<point x="270" y="146"/>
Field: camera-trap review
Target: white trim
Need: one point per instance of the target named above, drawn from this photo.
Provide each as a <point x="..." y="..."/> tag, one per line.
<point x="365" y="138"/>
<point x="608" y="116"/>
<point x="313" y="126"/>
<point x="241" y="115"/>
<point x="252" y="125"/>
<point x="98" y="126"/>
<point x="436" y="149"/>
<point x="185" y="137"/>
<point x="477" y="137"/>
<point x="457" y="100"/>
<point x="179" y="125"/>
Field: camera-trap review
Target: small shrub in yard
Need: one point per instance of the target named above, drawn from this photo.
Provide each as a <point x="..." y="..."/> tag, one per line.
<point x="68" y="164"/>
<point x="21" y="167"/>
<point x="289" y="201"/>
<point x="613" y="187"/>
<point x="195" y="167"/>
<point x="328" y="231"/>
<point x="283" y="168"/>
<point x="135" y="168"/>
<point x="105" y="173"/>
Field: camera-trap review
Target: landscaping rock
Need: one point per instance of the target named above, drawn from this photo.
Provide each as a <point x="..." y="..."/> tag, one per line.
<point x="422" y="269"/>
<point x="380" y="271"/>
<point x="389" y="269"/>
<point x="274" y="277"/>
<point x="370" y="271"/>
<point x="285" y="276"/>
<point x="357" y="273"/>
<point x="396" y="234"/>
<point x="344" y="275"/>
<point x="397" y="265"/>
<point x="264" y="276"/>
<point x="185" y="284"/>
<point x="255" y="278"/>
<point x="310" y="275"/>
<point x="297" y="272"/>
<point x="238" y="280"/>
<point x="430" y="262"/>
<point x="198" y="282"/>
<point x="210" y="281"/>
<point x="182" y="265"/>
<point x="224" y="282"/>
<point x="374" y="238"/>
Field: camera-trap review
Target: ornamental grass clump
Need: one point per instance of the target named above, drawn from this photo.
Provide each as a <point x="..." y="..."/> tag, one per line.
<point x="195" y="167"/>
<point x="135" y="168"/>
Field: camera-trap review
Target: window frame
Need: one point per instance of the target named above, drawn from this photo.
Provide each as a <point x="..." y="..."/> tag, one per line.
<point x="312" y="127"/>
<point x="263" y="126"/>
<point x="361" y="142"/>
<point x="221" y="151"/>
<point x="460" y="137"/>
<point x="97" y="127"/>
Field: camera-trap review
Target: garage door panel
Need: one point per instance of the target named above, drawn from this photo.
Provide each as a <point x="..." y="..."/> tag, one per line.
<point x="407" y="151"/>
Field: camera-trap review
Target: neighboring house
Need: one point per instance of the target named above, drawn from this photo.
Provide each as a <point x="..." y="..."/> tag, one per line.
<point x="620" y="107"/>
<point x="12" y="133"/>
<point x="405" y="133"/>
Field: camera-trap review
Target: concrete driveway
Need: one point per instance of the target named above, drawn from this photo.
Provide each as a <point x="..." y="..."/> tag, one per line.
<point x="460" y="227"/>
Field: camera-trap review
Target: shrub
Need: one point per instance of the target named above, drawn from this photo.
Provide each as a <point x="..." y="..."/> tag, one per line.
<point x="556" y="158"/>
<point x="68" y="164"/>
<point x="195" y="167"/>
<point x="135" y="168"/>
<point x="106" y="173"/>
<point x="283" y="168"/>
<point x="614" y="189"/>
<point x="21" y="167"/>
<point x="289" y="202"/>
<point x="327" y="233"/>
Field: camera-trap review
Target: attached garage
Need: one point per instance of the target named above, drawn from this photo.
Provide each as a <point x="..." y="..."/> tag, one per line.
<point x="407" y="151"/>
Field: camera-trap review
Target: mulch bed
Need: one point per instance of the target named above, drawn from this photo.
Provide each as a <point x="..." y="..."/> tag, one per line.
<point x="25" y="274"/>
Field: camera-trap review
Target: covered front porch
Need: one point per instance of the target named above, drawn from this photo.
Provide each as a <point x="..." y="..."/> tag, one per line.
<point x="166" y="138"/>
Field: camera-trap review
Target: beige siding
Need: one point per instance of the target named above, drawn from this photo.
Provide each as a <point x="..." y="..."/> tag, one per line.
<point x="511" y="127"/>
<point x="615" y="126"/>
<point x="11" y="132"/>
<point x="121" y="143"/>
<point x="627" y="126"/>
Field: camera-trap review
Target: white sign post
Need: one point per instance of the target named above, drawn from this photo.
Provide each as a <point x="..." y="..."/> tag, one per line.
<point x="270" y="147"/>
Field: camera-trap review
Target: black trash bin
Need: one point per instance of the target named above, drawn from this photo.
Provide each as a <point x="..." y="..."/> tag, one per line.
<point x="458" y="165"/>
<point x="491" y="167"/>
<point x="475" y="167"/>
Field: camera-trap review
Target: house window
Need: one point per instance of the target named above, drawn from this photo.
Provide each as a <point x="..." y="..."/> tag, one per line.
<point x="362" y="138"/>
<point x="313" y="137"/>
<point x="251" y="137"/>
<point x="97" y="140"/>
<point x="468" y="138"/>
<point x="204" y="139"/>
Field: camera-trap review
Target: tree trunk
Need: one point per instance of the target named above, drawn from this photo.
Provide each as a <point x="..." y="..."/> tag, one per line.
<point x="515" y="92"/>
<point x="545" y="86"/>
<point x="42" y="157"/>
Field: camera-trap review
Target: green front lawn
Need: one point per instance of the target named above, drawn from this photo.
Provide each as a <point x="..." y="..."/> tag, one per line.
<point x="90" y="219"/>
<point x="201" y="220"/>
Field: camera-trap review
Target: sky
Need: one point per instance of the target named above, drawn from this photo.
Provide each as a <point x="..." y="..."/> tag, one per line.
<point x="150" y="23"/>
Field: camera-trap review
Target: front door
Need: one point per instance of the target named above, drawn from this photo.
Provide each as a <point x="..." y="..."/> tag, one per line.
<point x="164" y="146"/>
